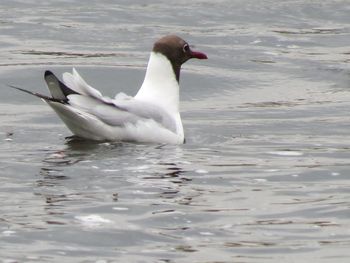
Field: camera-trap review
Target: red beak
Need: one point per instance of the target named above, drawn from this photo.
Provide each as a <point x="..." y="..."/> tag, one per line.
<point x="199" y="55"/>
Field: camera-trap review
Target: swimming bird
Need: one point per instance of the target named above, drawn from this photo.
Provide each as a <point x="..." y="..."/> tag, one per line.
<point x="151" y="116"/>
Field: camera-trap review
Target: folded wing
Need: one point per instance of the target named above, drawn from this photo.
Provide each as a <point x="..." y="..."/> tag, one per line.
<point x="123" y="110"/>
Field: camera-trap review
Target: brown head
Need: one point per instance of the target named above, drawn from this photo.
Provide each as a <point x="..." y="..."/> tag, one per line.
<point x="177" y="50"/>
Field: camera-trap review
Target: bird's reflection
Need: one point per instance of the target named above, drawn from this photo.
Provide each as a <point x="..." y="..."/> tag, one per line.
<point x="165" y="172"/>
<point x="77" y="144"/>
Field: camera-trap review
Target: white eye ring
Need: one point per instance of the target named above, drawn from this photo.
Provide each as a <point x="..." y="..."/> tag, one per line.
<point x="186" y="48"/>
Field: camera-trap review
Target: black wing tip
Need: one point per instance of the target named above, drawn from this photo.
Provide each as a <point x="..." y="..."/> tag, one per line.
<point x="49" y="77"/>
<point x="48" y="73"/>
<point x="20" y="89"/>
<point x="41" y="96"/>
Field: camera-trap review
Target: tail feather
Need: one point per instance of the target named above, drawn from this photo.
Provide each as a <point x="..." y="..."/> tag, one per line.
<point x="41" y="96"/>
<point x="57" y="88"/>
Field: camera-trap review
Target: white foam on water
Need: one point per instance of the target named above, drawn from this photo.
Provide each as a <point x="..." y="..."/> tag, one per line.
<point x="8" y="233"/>
<point x="120" y="208"/>
<point x="201" y="171"/>
<point x="110" y="170"/>
<point x="93" y="220"/>
<point x="286" y="153"/>
<point x="260" y="180"/>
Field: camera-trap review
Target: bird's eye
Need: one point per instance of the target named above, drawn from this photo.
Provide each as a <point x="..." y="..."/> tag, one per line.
<point x="186" y="48"/>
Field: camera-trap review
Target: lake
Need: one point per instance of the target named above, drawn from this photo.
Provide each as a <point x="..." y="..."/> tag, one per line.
<point x="264" y="173"/>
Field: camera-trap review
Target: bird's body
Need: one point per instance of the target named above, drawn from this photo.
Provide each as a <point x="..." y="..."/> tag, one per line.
<point x="151" y="116"/>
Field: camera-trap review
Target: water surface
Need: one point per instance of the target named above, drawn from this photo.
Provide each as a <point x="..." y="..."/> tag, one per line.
<point x="263" y="176"/>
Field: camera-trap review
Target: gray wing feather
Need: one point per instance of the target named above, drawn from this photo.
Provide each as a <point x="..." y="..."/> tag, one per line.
<point x="148" y="111"/>
<point x="122" y="112"/>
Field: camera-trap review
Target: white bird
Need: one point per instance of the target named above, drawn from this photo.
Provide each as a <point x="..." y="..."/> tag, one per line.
<point x="151" y="116"/>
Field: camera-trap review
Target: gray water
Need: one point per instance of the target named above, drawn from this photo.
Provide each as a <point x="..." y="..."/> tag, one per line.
<point x="263" y="177"/>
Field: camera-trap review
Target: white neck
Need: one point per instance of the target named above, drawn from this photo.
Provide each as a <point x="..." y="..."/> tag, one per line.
<point x="160" y="86"/>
